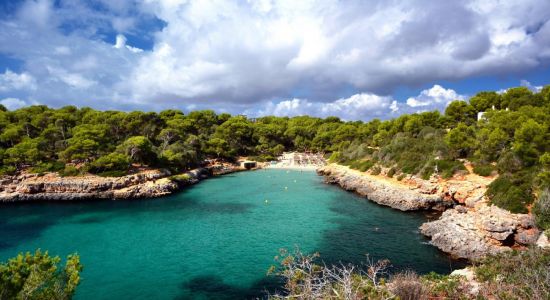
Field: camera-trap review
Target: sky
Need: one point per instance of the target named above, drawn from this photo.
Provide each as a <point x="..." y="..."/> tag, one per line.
<point x="357" y="60"/>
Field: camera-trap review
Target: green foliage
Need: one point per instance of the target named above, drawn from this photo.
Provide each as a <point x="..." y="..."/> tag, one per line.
<point x="69" y="170"/>
<point x="375" y="170"/>
<point x="484" y="169"/>
<point x="54" y="166"/>
<point x="541" y="210"/>
<point x="111" y="162"/>
<point x="512" y="191"/>
<point x="516" y="274"/>
<point x="39" y="276"/>
<point x="180" y="178"/>
<point x="391" y="172"/>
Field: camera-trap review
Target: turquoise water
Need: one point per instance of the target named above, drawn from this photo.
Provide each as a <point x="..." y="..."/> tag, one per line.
<point x="216" y="239"/>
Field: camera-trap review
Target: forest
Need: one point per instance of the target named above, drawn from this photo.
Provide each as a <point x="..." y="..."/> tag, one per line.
<point x="509" y="138"/>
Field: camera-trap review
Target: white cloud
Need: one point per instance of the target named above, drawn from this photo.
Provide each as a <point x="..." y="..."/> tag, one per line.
<point x="13" y="103"/>
<point x="357" y="107"/>
<point x="12" y="81"/>
<point x="120" y="43"/>
<point x="436" y="97"/>
<point x="232" y="55"/>
<point x="531" y="87"/>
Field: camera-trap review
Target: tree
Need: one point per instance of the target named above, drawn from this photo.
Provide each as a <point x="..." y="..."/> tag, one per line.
<point x="39" y="276"/>
<point x="111" y="162"/>
<point x="27" y="152"/>
<point x="138" y="148"/>
<point x="483" y="101"/>
<point x="461" y="140"/>
<point x="461" y="112"/>
<point x="530" y="140"/>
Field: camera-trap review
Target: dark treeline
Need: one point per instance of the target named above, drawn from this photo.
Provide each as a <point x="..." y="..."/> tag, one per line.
<point x="511" y="139"/>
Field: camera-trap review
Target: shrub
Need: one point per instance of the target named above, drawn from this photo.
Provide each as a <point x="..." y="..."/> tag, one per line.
<point x="484" y="170"/>
<point x="8" y="170"/>
<point x="48" y="167"/>
<point x="407" y="285"/>
<point x="541" y="210"/>
<point x="180" y="178"/>
<point x="69" y="170"/>
<point x="391" y="172"/>
<point x="447" y="168"/>
<point x="512" y="191"/>
<point x="376" y="170"/>
<point x="516" y="274"/>
<point x="400" y="177"/>
<point x="111" y="162"/>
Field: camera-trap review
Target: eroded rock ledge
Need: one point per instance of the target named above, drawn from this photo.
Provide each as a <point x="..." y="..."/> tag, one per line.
<point x="382" y="192"/>
<point x="475" y="232"/>
<point x="51" y="186"/>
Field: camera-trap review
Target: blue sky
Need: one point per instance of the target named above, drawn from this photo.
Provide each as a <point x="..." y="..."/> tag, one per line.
<point x="354" y="59"/>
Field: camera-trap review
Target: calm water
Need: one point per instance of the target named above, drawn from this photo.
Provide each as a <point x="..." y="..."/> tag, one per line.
<point x="217" y="239"/>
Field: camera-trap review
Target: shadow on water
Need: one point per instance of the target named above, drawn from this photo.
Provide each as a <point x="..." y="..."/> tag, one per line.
<point x="22" y="222"/>
<point x="383" y="233"/>
<point x="213" y="287"/>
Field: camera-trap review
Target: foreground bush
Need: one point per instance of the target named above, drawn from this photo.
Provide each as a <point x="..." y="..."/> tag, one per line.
<point x="541" y="210"/>
<point x="38" y="276"/>
<point x="510" y="275"/>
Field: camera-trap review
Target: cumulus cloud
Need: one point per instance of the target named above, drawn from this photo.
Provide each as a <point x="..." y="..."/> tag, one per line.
<point x="436" y="97"/>
<point x="236" y="55"/>
<point x="357" y="107"/>
<point x="12" y="81"/>
<point x="13" y="103"/>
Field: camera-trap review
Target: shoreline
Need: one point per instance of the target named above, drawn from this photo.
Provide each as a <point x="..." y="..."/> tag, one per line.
<point x="153" y="183"/>
<point x="468" y="227"/>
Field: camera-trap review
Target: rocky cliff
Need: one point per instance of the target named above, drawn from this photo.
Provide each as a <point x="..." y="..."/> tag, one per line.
<point x="51" y="186"/>
<point x="468" y="228"/>
<point x="383" y="192"/>
<point x="475" y="232"/>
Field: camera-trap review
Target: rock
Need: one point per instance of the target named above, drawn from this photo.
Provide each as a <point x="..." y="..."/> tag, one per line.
<point x="543" y="241"/>
<point x="478" y="232"/>
<point x="396" y="196"/>
<point x="527" y="236"/>
<point x="151" y="183"/>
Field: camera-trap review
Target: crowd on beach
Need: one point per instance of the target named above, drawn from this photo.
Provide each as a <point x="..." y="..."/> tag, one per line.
<point x="299" y="160"/>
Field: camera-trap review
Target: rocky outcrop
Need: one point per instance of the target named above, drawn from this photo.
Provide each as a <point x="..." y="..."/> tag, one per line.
<point x="475" y="232"/>
<point x="51" y="186"/>
<point x="385" y="193"/>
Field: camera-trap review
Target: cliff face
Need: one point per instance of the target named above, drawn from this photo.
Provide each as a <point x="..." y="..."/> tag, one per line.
<point x="476" y="232"/>
<point x="383" y="192"/>
<point x="31" y="187"/>
<point x="469" y="227"/>
<point x="50" y="187"/>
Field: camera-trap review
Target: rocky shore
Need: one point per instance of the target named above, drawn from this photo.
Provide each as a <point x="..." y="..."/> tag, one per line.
<point x="145" y="184"/>
<point x="468" y="228"/>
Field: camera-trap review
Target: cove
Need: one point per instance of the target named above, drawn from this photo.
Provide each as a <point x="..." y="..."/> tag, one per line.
<point x="217" y="239"/>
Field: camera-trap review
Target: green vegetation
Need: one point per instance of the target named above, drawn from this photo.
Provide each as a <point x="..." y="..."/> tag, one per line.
<point x="39" y="276"/>
<point x="510" y="275"/>
<point x="511" y="140"/>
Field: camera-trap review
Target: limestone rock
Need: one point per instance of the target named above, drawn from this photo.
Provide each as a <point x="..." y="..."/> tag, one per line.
<point x="393" y="195"/>
<point x="478" y="232"/>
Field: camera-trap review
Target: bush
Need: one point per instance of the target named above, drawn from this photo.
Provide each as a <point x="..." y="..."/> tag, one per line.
<point x="48" y="167"/>
<point x="407" y="285"/>
<point x="484" y="170"/>
<point x="376" y="170"/>
<point x="391" y="172"/>
<point x="512" y="191"/>
<point x="400" y="177"/>
<point x="111" y="162"/>
<point x="180" y="178"/>
<point x="516" y="275"/>
<point x="447" y="168"/>
<point x="541" y="210"/>
<point x="69" y="170"/>
<point x="8" y="170"/>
